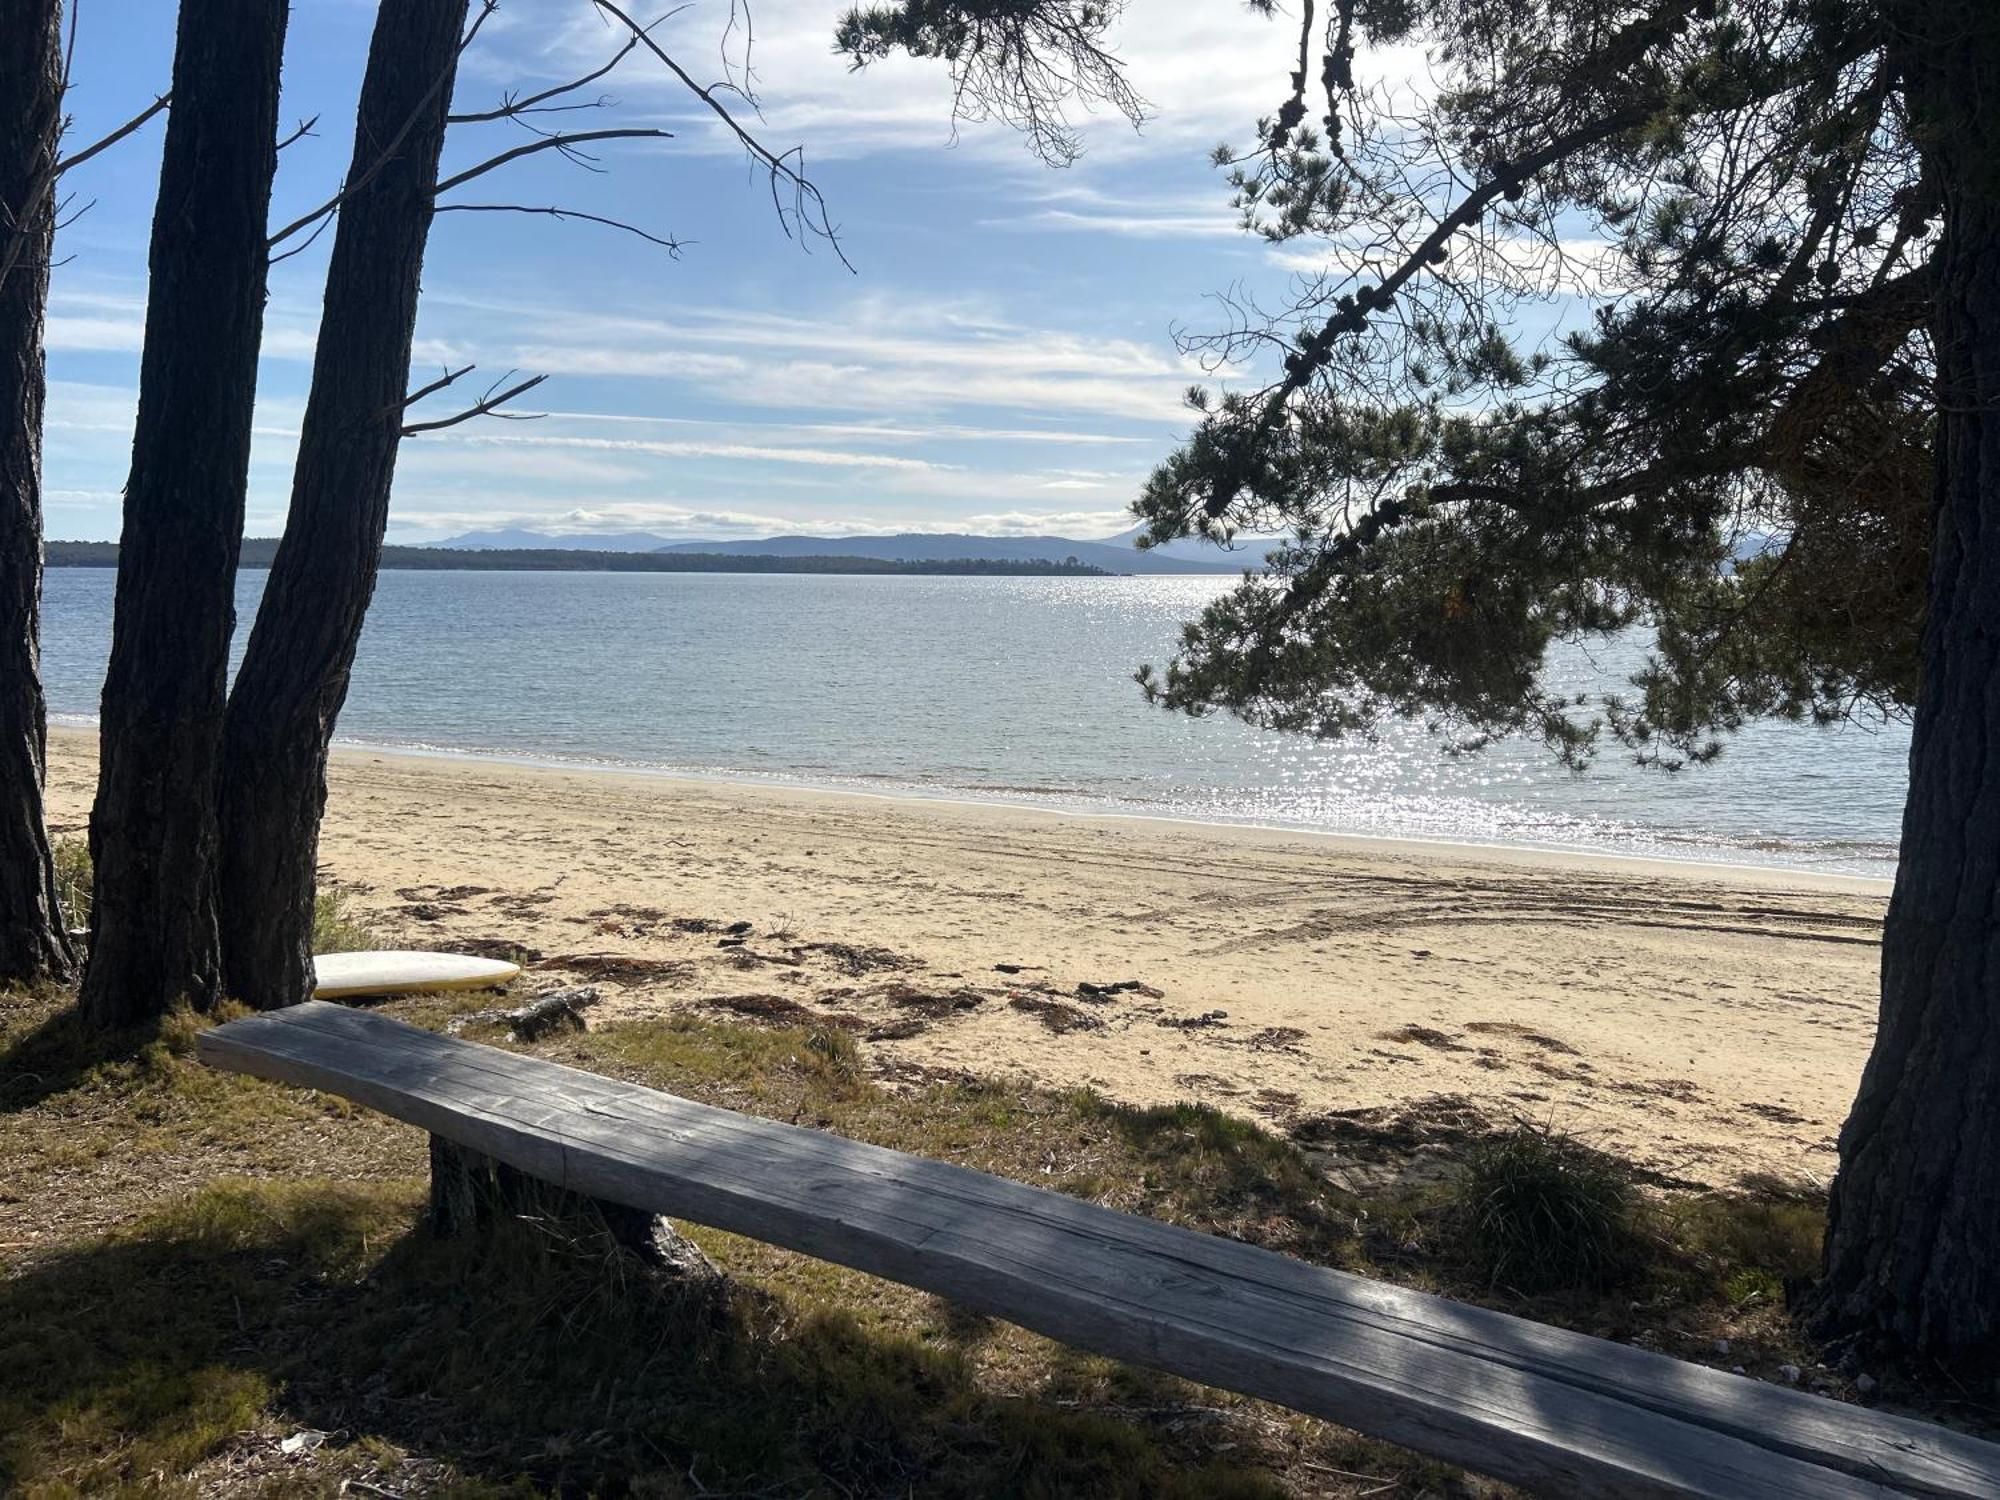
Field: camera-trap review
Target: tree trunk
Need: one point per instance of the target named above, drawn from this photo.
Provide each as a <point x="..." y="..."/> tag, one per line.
<point x="295" y="673"/>
<point x="1913" y="1242"/>
<point x="33" y="947"/>
<point x="153" y="829"/>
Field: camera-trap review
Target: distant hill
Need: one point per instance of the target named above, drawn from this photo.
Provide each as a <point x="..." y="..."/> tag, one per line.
<point x="1247" y="552"/>
<point x="520" y="539"/>
<point x="921" y="546"/>
<point x="258" y="552"/>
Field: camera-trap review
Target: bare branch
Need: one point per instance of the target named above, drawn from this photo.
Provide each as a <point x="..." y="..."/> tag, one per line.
<point x="509" y="108"/>
<point x="116" y="136"/>
<point x="808" y="206"/>
<point x="348" y="190"/>
<point x="305" y="129"/>
<point x="739" y="14"/>
<point x="18" y="224"/>
<point x="565" y="143"/>
<point x="671" y="246"/>
<point x="305" y="244"/>
<point x="487" y="405"/>
<point x="449" y="377"/>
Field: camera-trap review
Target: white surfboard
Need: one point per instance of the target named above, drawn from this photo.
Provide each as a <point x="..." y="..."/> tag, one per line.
<point x="404" y="972"/>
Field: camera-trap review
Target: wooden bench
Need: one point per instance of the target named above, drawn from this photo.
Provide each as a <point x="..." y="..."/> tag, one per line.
<point x="1558" y="1412"/>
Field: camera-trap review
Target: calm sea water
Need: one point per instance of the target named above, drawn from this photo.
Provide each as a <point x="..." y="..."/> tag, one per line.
<point x="1008" y="689"/>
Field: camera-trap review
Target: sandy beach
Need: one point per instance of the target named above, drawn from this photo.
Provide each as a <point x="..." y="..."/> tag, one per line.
<point x="1706" y="1021"/>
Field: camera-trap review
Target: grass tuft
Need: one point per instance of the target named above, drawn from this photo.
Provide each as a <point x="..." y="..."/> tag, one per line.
<point x="334" y="931"/>
<point x="834" y="1055"/>
<point x="73" y="881"/>
<point x="1544" y="1213"/>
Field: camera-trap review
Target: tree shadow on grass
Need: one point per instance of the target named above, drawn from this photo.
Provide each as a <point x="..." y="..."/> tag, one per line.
<point x="61" y="1051"/>
<point x="534" y="1354"/>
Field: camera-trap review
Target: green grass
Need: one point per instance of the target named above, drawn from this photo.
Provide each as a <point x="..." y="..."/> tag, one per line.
<point x="218" y="1262"/>
<point x="519" y="1353"/>
<point x="170" y="1352"/>
<point x="127" y="1354"/>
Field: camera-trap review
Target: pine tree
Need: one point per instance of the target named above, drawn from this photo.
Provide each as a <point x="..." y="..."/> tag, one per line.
<point x="1773" y="443"/>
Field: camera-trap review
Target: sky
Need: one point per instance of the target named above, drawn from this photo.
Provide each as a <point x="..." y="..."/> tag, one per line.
<point x="1000" y="358"/>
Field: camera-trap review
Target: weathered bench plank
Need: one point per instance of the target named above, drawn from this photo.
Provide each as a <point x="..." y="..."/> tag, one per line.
<point x="1557" y="1411"/>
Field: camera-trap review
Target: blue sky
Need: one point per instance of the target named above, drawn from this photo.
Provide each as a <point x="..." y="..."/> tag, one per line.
<point x="1000" y="360"/>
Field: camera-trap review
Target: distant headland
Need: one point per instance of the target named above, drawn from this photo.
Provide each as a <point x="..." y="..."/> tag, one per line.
<point x="258" y="552"/>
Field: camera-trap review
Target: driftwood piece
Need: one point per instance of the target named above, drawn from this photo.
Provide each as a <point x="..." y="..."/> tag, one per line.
<point x="559" y="1010"/>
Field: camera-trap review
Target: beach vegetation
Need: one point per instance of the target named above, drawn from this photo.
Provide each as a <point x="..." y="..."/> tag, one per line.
<point x="212" y="1266"/>
<point x="334" y="929"/>
<point x="1543" y="1212"/>
<point x="72" y="873"/>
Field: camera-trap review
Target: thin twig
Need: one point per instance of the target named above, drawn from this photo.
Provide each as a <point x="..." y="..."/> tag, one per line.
<point x="305" y="129"/>
<point x="117" y="135"/>
<point x="388" y="153"/>
<point x="449" y="377"/>
<point x="509" y="109"/>
<point x="809" y="206"/>
<point x="670" y="245"/>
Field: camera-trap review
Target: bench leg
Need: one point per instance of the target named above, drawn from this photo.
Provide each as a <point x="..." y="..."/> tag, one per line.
<point x="470" y="1190"/>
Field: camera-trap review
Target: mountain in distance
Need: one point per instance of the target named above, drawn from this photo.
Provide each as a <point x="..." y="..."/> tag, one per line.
<point x="1245" y="552"/>
<point x="1116" y="556"/>
<point x="520" y="539"/>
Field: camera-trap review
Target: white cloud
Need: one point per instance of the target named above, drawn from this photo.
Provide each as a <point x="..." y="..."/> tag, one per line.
<point x="825" y="457"/>
<point x="1136" y="224"/>
<point x="1077" y="206"/>
<point x="884" y="357"/>
<point x="1206" y="69"/>
<point x="1083" y="525"/>
<point x="874" y="431"/>
<point x="70" y="333"/>
<point x="611" y="516"/>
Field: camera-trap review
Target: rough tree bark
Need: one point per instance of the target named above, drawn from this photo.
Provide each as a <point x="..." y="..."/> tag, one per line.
<point x="33" y="947"/>
<point x="153" y="828"/>
<point x="1913" y="1241"/>
<point x="295" y="673"/>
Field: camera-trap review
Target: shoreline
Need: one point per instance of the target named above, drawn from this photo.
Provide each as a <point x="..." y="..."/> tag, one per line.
<point x="82" y="728"/>
<point x="1705" y="1022"/>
